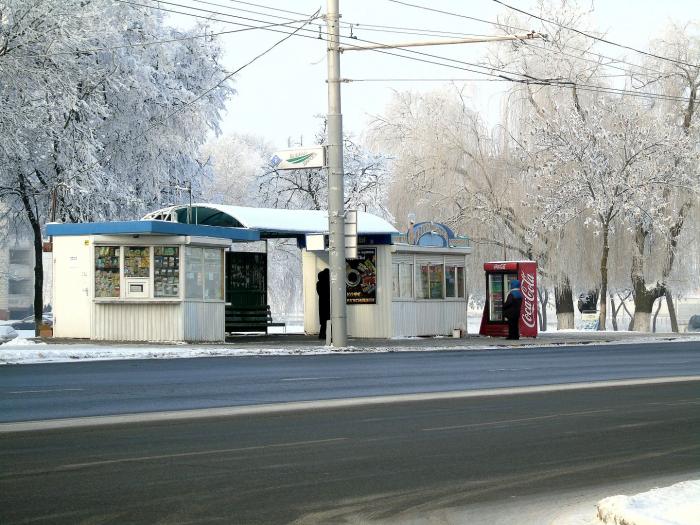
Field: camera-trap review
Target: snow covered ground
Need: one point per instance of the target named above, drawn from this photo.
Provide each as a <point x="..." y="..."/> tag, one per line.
<point x="678" y="504"/>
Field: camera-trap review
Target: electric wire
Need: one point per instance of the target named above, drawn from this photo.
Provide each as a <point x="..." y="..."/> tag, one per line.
<point x="490" y="71"/>
<point x="504" y="26"/>
<point x="588" y="35"/>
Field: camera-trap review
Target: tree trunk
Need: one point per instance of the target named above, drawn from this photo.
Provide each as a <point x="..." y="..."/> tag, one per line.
<point x="564" y="303"/>
<point x="602" y="319"/>
<point x="542" y="306"/>
<point x="38" y="255"/>
<point x="613" y="311"/>
<point x="671" y="310"/>
<point x="656" y="315"/>
<point x="643" y="298"/>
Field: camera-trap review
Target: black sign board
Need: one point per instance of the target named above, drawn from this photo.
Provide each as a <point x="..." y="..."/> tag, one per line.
<point x="361" y="277"/>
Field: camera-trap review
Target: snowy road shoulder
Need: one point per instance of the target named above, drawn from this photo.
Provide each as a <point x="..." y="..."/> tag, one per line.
<point x="29" y="350"/>
<point x="678" y="504"/>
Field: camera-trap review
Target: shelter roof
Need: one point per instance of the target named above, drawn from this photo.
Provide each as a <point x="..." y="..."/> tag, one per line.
<point x="269" y="222"/>
<point x="150" y="227"/>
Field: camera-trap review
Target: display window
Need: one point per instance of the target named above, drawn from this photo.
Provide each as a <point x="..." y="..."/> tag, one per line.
<point x="431" y="281"/>
<point x="454" y="281"/>
<point x="166" y="271"/>
<point x="137" y="261"/>
<point x="107" y="275"/>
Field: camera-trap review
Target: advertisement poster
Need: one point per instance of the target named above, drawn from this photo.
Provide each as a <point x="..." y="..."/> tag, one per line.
<point x="361" y="277"/>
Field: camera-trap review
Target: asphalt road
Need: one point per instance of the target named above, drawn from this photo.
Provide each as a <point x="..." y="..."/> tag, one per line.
<point x="61" y="390"/>
<point x="390" y="463"/>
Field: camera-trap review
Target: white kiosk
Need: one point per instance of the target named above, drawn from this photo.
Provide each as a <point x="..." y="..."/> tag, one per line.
<point x="140" y="280"/>
<point x="400" y="285"/>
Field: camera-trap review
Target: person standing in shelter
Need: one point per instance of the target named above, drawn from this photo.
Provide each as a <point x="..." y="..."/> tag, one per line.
<point x="323" y="289"/>
<point x="511" y="309"/>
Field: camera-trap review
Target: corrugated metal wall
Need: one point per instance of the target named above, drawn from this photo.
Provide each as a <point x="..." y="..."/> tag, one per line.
<point x="139" y="322"/>
<point x="204" y="321"/>
<point x="412" y="318"/>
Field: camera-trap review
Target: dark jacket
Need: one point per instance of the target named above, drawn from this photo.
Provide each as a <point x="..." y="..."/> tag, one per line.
<point x="511" y="308"/>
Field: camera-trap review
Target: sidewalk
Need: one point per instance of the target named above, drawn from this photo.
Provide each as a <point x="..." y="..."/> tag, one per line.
<point x="38" y="350"/>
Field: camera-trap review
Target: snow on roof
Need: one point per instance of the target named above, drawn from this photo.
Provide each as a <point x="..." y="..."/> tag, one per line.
<point x="296" y="221"/>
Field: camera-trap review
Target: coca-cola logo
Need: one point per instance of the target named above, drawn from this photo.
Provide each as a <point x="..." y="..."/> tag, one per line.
<point x="499" y="266"/>
<point x="527" y="288"/>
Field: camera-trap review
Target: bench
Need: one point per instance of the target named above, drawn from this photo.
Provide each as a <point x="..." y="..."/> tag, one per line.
<point x="249" y="319"/>
<point x="270" y="322"/>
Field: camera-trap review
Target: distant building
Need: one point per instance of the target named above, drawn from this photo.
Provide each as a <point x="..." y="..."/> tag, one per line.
<point x="16" y="279"/>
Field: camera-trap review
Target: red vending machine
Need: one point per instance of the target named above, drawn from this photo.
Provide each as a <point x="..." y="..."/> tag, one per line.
<point x="498" y="278"/>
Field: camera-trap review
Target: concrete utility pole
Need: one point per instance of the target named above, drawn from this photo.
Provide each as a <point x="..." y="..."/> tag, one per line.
<point x="336" y="219"/>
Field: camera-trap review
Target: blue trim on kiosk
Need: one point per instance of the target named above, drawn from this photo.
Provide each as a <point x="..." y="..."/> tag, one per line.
<point x="151" y="227"/>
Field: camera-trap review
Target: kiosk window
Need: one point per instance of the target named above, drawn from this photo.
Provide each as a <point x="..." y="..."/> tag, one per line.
<point x="203" y="273"/>
<point x="213" y="267"/>
<point x="137" y="261"/>
<point x="430" y="281"/>
<point x="166" y="271"/>
<point x="194" y="279"/>
<point x="454" y="281"/>
<point x="107" y="271"/>
<point x="402" y="280"/>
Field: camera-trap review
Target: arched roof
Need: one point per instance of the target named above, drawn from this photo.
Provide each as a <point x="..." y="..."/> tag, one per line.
<point x="270" y="222"/>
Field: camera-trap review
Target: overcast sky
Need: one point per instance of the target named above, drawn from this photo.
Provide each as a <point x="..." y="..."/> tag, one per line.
<point x="279" y="94"/>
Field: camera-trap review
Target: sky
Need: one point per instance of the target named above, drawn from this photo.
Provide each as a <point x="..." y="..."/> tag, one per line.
<point x="279" y="96"/>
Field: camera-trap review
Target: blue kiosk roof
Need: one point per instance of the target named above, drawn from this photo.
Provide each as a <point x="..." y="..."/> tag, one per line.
<point x="152" y="227"/>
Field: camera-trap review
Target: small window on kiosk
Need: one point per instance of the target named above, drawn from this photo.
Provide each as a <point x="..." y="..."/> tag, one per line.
<point x="431" y="281"/>
<point x="137" y="261"/>
<point x="454" y="282"/>
<point x="107" y="278"/>
<point x="166" y="271"/>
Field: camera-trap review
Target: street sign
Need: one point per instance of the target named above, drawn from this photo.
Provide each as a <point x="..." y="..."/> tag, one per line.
<point x="299" y="158"/>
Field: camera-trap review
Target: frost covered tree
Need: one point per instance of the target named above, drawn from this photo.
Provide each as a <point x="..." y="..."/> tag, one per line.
<point x="99" y="116"/>
<point x="677" y="82"/>
<point x="449" y="167"/>
<point x="237" y="162"/>
<point x="611" y="165"/>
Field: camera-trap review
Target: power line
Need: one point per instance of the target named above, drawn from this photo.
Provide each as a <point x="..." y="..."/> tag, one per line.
<point x="588" y="35"/>
<point x="490" y="71"/>
<point x="417" y="6"/>
<point x="451" y="13"/>
<point x="268" y="7"/>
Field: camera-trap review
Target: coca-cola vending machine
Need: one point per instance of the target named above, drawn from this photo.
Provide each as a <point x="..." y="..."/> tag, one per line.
<point x="498" y="278"/>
